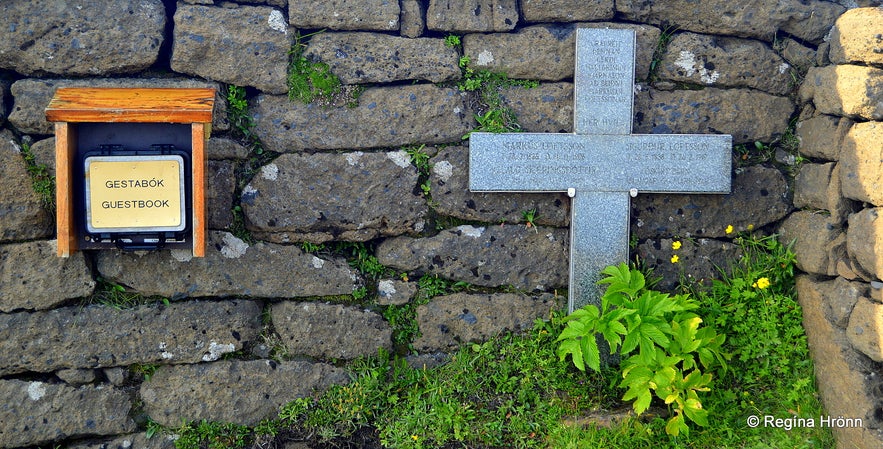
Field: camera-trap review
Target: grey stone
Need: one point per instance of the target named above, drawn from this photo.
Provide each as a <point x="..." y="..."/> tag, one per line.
<point x="100" y="336"/>
<point x="117" y="376"/>
<point x="840" y="297"/>
<point x="811" y="185"/>
<point x="241" y="392"/>
<point x="798" y="55"/>
<point x="32" y="96"/>
<point x="758" y="198"/>
<point x="45" y="36"/>
<point x="35" y="413"/>
<point x="810" y="233"/>
<point x="705" y="111"/>
<point x="856" y="37"/>
<point x="219" y="195"/>
<point x="547" y="108"/>
<point x="413" y="22"/>
<point x="245" y="46"/>
<point x="32" y="277"/>
<point x="725" y="62"/>
<point x="451" y="320"/>
<point x="76" y="376"/>
<point x="222" y="148"/>
<point x="546" y="52"/>
<point x="861" y="174"/>
<point x="449" y="179"/>
<point x="465" y="16"/>
<point x="845" y="90"/>
<point x="44" y="154"/>
<point x="808" y="20"/>
<point x="351" y="196"/>
<point x="330" y="331"/>
<point x="395" y="292"/>
<point x="699" y="261"/>
<point x="230" y="267"/>
<point x="529" y="259"/>
<point x="863" y="241"/>
<point x="385" y="117"/>
<point x="130" y="441"/>
<point x="821" y="136"/>
<point x="359" y="58"/>
<point x="566" y="10"/>
<point x="840" y="372"/>
<point x="865" y="331"/>
<point x="22" y="215"/>
<point x="379" y="15"/>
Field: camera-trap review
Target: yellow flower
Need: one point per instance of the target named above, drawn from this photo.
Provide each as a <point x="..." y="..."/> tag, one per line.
<point x="676" y="245"/>
<point x="414" y="437"/>
<point x="729" y="229"/>
<point x="751" y="227"/>
<point x="675" y="258"/>
<point x="761" y="283"/>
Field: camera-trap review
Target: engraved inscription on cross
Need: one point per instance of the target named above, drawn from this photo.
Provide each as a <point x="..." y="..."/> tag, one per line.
<point x="602" y="164"/>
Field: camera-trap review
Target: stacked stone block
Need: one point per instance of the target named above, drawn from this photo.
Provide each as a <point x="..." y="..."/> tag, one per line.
<point x="69" y="373"/>
<point x="837" y="236"/>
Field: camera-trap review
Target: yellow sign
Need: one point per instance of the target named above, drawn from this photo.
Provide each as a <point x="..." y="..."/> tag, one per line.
<point x="135" y="193"/>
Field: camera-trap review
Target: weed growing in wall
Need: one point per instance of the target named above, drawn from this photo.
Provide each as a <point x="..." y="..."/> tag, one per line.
<point x="42" y="182"/>
<point x="311" y="81"/>
<point x="492" y="115"/>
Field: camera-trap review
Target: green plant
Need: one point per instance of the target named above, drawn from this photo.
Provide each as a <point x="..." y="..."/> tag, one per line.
<point x="309" y="247"/>
<point x="529" y="216"/>
<point x="452" y="40"/>
<point x="492" y="116"/>
<point x="419" y="158"/>
<point x="665" y="38"/>
<point x="361" y="259"/>
<point x="240" y="119"/>
<point x="308" y="80"/>
<point x="360" y="293"/>
<point x="111" y="294"/>
<point x="41" y="181"/>
<point x="671" y="347"/>
<point x="211" y="435"/>
<point x="144" y="370"/>
<point x="238" y="228"/>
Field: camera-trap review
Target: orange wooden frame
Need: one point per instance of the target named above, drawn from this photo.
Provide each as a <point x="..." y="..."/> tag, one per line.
<point x="123" y="105"/>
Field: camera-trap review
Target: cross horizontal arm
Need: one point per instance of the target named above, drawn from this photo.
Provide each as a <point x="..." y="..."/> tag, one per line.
<point x="541" y="162"/>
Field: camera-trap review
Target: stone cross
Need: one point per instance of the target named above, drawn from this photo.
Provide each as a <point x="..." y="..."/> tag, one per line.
<point x="602" y="164"/>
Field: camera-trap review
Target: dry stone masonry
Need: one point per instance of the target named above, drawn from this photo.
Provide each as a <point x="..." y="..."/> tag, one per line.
<point x="837" y="233"/>
<point x="271" y="315"/>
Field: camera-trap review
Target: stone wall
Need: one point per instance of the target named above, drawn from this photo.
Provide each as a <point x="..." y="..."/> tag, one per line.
<point x="836" y="232"/>
<point x="286" y="319"/>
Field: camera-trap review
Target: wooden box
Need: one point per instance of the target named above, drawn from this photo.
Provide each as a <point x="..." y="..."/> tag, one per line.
<point x="86" y="118"/>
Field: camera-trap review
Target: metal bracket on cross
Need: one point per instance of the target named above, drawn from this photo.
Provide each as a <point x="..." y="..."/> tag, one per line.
<point x="602" y="164"/>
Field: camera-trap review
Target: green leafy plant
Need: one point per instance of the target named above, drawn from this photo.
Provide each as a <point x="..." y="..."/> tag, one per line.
<point x="529" y="216"/>
<point x="665" y="38"/>
<point x="452" y="40"/>
<point x="308" y="80"/>
<point x="41" y="181"/>
<point x="492" y="115"/>
<point x="660" y="338"/>
<point x="361" y="259"/>
<point x="211" y="435"/>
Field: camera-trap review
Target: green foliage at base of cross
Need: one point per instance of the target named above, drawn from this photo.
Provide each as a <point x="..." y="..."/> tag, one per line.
<point x="666" y="352"/>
